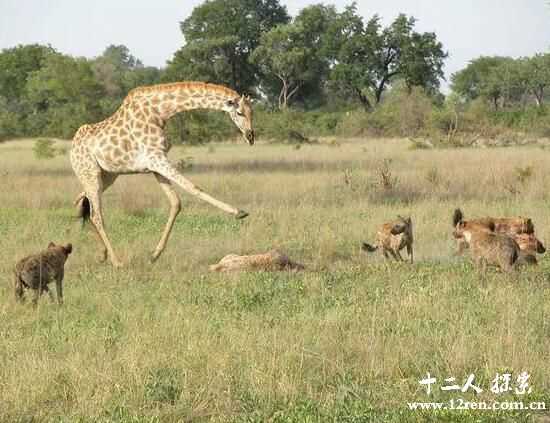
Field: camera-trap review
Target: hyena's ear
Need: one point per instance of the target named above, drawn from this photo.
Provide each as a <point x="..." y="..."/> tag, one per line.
<point x="51" y="245"/>
<point x="68" y="248"/>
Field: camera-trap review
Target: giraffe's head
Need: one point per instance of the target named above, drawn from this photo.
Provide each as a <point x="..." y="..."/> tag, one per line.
<point x="240" y="111"/>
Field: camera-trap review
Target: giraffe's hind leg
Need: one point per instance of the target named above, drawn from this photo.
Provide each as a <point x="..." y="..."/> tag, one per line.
<point x="107" y="179"/>
<point x="92" y="181"/>
<point x="175" y="208"/>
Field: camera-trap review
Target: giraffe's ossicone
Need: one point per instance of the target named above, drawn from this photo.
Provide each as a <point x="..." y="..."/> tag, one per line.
<point x="132" y="141"/>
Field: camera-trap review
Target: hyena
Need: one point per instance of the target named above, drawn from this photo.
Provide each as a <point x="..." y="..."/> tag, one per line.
<point x="488" y="248"/>
<point x="270" y="261"/>
<point x="521" y="229"/>
<point x="36" y="272"/>
<point x="392" y="237"/>
<point x="529" y="247"/>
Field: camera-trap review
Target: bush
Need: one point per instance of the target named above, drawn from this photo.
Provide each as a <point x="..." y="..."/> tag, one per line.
<point x="44" y="148"/>
<point x="9" y="121"/>
<point x="402" y="113"/>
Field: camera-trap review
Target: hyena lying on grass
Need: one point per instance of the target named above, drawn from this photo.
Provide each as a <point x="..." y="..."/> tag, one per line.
<point x="392" y="237"/>
<point x="36" y="271"/>
<point x="521" y="229"/>
<point x="270" y="261"/>
<point x="488" y="248"/>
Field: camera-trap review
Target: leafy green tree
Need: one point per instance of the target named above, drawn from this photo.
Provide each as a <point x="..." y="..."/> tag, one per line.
<point x="480" y="79"/>
<point x="293" y="54"/>
<point x="63" y="94"/>
<point x="220" y="35"/>
<point x="369" y="58"/>
<point x="118" y="71"/>
<point x="15" y="66"/>
<point x="536" y="75"/>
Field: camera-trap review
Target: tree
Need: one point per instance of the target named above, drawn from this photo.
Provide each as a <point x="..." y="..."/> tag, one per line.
<point x="63" y="94"/>
<point x="480" y="79"/>
<point x="536" y="75"/>
<point x="15" y="66"/>
<point x="118" y="71"/>
<point x="220" y="35"/>
<point x="368" y="58"/>
<point x="293" y="54"/>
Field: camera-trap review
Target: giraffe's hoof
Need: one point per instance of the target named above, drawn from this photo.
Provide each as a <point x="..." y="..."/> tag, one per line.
<point x="116" y="264"/>
<point x="241" y="215"/>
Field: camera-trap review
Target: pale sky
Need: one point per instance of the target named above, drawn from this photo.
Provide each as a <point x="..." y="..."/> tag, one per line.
<point x="150" y="29"/>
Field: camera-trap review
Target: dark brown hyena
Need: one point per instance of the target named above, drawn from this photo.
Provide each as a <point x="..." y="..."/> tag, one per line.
<point x="392" y="237"/>
<point x="37" y="270"/>
<point x="489" y="248"/>
<point x="521" y="229"/>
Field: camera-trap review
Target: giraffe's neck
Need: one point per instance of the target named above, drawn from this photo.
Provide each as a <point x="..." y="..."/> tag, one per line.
<point x="168" y="99"/>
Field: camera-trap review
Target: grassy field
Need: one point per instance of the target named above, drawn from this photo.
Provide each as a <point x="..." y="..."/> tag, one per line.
<point x="347" y="340"/>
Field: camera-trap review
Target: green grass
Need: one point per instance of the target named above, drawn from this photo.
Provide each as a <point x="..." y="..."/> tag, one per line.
<point x="345" y="341"/>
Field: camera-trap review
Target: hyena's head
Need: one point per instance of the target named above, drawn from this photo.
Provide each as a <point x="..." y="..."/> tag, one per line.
<point x="403" y="226"/>
<point x="529" y="243"/>
<point x="65" y="250"/>
<point x="464" y="228"/>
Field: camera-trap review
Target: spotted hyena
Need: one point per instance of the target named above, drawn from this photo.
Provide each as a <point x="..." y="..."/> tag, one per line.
<point x="392" y="237"/>
<point x="487" y="247"/>
<point x="37" y="270"/>
<point x="271" y="261"/>
<point x="521" y="229"/>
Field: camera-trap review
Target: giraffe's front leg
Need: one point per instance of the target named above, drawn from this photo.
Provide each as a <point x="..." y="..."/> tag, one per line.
<point x="165" y="169"/>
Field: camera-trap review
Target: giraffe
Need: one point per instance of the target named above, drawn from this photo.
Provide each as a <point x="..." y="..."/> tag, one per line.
<point x="132" y="141"/>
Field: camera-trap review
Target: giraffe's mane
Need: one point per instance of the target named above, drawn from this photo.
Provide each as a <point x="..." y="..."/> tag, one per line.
<point x="196" y="85"/>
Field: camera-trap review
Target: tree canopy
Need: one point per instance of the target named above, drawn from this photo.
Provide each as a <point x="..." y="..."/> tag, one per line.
<point x="220" y="36"/>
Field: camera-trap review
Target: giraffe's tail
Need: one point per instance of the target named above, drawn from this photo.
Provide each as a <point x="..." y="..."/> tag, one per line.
<point x="84" y="208"/>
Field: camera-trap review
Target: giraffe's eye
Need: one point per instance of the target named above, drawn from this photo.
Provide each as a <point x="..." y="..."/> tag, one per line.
<point x="240" y="113"/>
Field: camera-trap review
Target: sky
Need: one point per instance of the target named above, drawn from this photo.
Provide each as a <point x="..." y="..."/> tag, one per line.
<point x="150" y="29"/>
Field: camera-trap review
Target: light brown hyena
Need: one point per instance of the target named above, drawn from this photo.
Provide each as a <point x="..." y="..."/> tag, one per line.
<point x="392" y="237"/>
<point x="488" y="248"/>
<point x="521" y="229"/>
<point x="270" y="261"/>
<point x="36" y="272"/>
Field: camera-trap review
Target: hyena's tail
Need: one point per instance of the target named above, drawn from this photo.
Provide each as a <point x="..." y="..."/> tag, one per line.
<point x="84" y="208"/>
<point x="367" y="247"/>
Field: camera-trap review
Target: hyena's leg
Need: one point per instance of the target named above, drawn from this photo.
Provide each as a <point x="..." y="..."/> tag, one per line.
<point x="19" y="291"/>
<point x="385" y="252"/>
<point x="50" y="294"/>
<point x="36" y="295"/>
<point x="59" y="288"/>
<point x="410" y="253"/>
<point x="398" y="255"/>
<point x="175" y="208"/>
